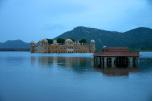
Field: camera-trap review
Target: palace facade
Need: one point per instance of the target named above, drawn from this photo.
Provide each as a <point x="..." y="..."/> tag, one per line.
<point x="68" y="46"/>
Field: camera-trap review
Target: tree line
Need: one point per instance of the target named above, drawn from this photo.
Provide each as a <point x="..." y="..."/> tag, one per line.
<point x="62" y="41"/>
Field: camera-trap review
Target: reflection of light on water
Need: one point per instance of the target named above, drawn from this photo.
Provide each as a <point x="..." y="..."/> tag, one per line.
<point x="145" y="61"/>
<point x="35" y="77"/>
<point x="145" y="55"/>
<point x="77" y="62"/>
<point x="83" y="55"/>
<point x="54" y="60"/>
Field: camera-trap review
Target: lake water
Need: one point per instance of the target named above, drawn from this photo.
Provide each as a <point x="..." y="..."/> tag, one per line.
<point x="70" y="77"/>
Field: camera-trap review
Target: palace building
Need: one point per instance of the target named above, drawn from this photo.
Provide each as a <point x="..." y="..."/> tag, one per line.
<point x="69" y="46"/>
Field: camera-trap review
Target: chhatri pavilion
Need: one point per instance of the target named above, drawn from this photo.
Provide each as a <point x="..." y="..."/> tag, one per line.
<point x="120" y="57"/>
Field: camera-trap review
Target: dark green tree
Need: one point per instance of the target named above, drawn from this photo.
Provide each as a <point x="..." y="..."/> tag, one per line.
<point x="50" y="41"/>
<point x="83" y="41"/>
<point x="60" y="40"/>
<point x="72" y="39"/>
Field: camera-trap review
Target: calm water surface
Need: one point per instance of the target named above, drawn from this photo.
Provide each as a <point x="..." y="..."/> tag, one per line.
<point x="70" y="77"/>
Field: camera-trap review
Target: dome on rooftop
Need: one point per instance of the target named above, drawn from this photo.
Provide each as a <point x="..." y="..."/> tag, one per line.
<point x="92" y="41"/>
<point x="68" y="41"/>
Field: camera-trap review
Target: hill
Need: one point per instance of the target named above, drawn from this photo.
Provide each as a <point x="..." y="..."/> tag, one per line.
<point x="13" y="45"/>
<point x="139" y="38"/>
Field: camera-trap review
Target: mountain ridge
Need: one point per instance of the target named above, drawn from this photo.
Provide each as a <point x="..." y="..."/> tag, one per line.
<point x="136" y="38"/>
<point x="13" y="45"/>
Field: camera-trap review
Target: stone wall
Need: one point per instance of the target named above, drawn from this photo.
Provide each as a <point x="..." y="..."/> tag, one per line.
<point x="44" y="47"/>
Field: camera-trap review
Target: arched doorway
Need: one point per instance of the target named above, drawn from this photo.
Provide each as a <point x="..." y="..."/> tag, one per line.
<point x="121" y="62"/>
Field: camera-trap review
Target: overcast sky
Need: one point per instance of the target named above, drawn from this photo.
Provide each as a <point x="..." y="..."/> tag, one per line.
<point x="36" y="19"/>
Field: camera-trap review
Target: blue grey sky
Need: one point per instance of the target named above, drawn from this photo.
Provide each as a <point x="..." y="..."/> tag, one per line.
<point x="37" y="19"/>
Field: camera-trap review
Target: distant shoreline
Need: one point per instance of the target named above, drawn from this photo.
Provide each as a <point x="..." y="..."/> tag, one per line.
<point x="28" y="49"/>
<point x="14" y="49"/>
<point x="21" y="49"/>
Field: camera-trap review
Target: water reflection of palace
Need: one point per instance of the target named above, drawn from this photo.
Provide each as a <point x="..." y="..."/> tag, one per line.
<point x="75" y="63"/>
<point x="78" y="64"/>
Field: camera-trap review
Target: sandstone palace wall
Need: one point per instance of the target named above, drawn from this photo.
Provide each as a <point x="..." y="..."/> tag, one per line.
<point x="67" y="47"/>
